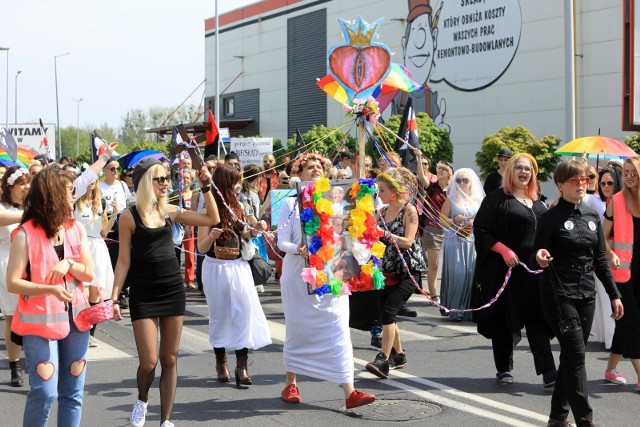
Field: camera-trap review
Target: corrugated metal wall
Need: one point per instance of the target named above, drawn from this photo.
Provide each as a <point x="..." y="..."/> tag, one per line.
<point x="306" y="61"/>
<point x="246" y="106"/>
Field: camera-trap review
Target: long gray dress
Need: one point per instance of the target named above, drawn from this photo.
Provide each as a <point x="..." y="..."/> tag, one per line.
<point x="459" y="263"/>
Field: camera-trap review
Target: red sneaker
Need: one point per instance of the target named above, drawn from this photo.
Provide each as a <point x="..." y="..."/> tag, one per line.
<point x="359" y="398"/>
<point x="290" y="394"/>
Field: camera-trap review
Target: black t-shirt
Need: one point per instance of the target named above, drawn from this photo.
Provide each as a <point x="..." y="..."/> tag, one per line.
<point x="493" y="182"/>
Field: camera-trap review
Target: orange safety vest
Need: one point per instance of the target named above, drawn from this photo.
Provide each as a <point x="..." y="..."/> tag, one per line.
<point x="622" y="242"/>
<point x="45" y="315"/>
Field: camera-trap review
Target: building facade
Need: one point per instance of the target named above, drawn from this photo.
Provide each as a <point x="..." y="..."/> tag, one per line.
<point x="488" y="64"/>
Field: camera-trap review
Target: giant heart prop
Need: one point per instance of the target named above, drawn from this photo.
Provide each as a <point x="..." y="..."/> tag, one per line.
<point x="359" y="65"/>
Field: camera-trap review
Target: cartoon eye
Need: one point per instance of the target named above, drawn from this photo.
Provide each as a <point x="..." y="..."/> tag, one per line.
<point x="421" y="38"/>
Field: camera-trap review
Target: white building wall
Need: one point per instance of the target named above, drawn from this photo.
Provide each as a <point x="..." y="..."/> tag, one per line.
<point x="531" y="92"/>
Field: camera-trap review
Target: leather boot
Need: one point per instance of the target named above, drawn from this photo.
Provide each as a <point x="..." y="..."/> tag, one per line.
<point x="221" y="368"/>
<point x="16" y="374"/>
<point x="242" y="375"/>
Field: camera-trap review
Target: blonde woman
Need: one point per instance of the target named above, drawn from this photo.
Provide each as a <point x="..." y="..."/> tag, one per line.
<point x="505" y="230"/>
<point x="399" y="223"/>
<point x="157" y="296"/>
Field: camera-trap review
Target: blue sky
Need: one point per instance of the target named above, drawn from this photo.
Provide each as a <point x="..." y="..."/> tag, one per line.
<point x="123" y="55"/>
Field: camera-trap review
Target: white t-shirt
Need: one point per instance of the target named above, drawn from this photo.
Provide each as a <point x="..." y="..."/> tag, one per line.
<point x="117" y="191"/>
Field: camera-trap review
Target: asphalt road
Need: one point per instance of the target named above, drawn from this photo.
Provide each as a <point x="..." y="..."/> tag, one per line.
<point x="448" y="381"/>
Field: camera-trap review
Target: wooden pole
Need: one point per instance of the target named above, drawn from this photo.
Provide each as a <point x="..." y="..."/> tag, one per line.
<point x="361" y="154"/>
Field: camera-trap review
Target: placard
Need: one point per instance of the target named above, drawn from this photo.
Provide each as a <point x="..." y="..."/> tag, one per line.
<point x="252" y="150"/>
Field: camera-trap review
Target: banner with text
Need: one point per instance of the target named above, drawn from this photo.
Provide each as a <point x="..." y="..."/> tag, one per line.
<point x="252" y="150"/>
<point x="29" y="135"/>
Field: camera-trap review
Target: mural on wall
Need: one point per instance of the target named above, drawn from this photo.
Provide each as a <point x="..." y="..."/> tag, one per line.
<point x="468" y="44"/>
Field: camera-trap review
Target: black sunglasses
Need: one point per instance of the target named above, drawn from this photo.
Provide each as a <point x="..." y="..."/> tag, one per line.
<point x="463" y="180"/>
<point x="592" y="176"/>
<point x="161" y="179"/>
<point x="129" y="175"/>
<point x="606" y="183"/>
<point x="113" y="169"/>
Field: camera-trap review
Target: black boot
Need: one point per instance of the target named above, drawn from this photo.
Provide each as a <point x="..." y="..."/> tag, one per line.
<point x="16" y="374"/>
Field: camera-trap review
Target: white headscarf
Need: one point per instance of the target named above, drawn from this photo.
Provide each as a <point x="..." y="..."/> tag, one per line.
<point x="475" y="194"/>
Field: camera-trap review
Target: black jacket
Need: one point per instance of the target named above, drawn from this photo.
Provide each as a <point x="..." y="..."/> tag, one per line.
<point x="573" y="236"/>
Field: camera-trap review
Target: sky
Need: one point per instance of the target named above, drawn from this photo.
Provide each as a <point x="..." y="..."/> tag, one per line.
<point x="123" y="55"/>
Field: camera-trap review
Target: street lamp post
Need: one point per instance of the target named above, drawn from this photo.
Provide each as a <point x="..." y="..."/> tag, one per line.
<point x="7" y="99"/>
<point x="78" y="127"/>
<point x="55" y="71"/>
<point x="15" y="107"/>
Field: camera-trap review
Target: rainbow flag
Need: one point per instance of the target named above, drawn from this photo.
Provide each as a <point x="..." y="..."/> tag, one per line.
<point x="23" y="158"/>
<point x="398" y="80"/>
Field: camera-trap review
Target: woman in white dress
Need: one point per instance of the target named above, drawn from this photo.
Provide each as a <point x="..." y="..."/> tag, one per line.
<point x="603" y="327"/>
<point x="236" y="319"/>
<point x="91" y="213"/>
<point x="15" y="184"/>
<point x="317" y="341"/>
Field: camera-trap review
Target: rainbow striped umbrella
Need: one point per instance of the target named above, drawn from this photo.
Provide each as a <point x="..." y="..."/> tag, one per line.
<point x="596" y="146"/>
<point x="24" y="157"/>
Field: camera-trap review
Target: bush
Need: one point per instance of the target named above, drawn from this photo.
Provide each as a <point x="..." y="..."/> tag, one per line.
<point x="518" y="140"/>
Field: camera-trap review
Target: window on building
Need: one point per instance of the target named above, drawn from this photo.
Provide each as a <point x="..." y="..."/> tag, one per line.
<point x="228" y="107"/>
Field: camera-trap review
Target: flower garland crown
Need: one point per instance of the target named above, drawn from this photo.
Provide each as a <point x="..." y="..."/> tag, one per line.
<point x="299" y="163"/>
<point x="16" y="175"/>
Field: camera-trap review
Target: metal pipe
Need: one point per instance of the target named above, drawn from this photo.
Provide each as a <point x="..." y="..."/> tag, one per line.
<point x="569" y="71"/>
<point x="55" y="71"/>
<point x="15" y="107"/>
<point x="78" y="127"/>
<point x="6" y="122"/>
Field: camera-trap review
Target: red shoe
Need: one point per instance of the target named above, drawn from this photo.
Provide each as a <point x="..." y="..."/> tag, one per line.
<point x="359" y="398"/>
<point x="290" y="394"/>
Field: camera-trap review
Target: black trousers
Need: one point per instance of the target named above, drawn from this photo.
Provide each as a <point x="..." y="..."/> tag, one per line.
<point x="538" y="336"/>
<point x="392" y="298"/>
<point x="571" y="386"/>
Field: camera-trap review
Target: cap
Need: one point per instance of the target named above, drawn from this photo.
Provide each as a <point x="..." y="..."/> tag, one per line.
<point x="141" y="168"/>
<point x="417" y="8"/>
<point x="618" y="162"/>
<point x="505" y="152"/>
<point x="345" y="155"/>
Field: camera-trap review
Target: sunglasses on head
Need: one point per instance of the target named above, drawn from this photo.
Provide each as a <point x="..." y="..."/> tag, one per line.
<point x="463" y="180"/>
<point x="161" y="179"/>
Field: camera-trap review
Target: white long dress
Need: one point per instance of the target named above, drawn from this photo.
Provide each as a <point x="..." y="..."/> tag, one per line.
<point x="317" y="339"/>
<point x="603" y="325"/>
<point x="8" y="301"/>
<point x="103" y="277"/>
<point x="236" y="319"/>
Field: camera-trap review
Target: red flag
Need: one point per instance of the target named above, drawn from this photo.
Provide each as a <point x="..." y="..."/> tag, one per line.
<point x="212" y="130"/>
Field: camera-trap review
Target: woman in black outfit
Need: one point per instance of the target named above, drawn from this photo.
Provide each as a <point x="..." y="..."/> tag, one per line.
<point x="505" y="229"/>
<point x="570" y="246"/>
<point x="148" y="262"/>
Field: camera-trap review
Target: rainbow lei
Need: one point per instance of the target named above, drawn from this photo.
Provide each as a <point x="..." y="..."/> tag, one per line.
<point x="367" y="249"/>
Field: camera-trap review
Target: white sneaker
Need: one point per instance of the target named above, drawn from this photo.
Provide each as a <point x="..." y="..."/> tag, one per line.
<point x="167" y="423"/>
<point x="92" y="342"/>
<point x="260" y="289"/>
<point x="138" y="414"/>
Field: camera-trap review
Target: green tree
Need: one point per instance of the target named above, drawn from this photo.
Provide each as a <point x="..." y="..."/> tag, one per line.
<point x="520" y="140"/>
<point x="435" y="142"/>
<point x="323" y="139"/>
<point x="633" y="142"/>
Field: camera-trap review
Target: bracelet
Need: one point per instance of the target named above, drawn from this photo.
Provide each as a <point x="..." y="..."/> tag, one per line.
<point x="116" y="303"/>
<point x="205" y="189"/>
<point x="104" y="157"/>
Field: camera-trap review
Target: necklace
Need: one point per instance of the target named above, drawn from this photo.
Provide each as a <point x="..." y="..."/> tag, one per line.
<point x="528" y="203"/>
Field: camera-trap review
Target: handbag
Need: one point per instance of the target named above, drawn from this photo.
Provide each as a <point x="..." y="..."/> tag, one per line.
<point x="227" y="252"/>
<point x="248" y="250"/>
<point x="95" y="314"/>
<point x="260" y="269"/>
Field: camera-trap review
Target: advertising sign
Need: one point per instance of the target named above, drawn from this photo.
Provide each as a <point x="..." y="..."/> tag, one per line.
<point x="29" y="135"/>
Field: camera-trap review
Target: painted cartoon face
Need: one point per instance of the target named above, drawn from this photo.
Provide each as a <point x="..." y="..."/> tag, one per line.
<point x="419" y="49"/>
